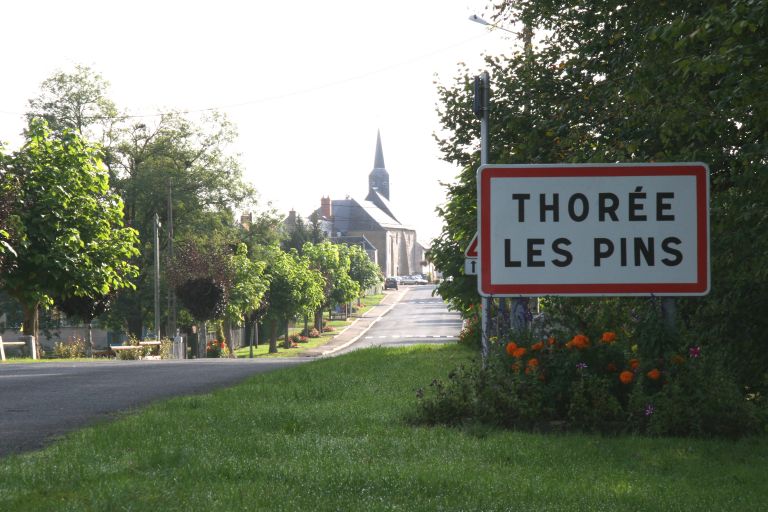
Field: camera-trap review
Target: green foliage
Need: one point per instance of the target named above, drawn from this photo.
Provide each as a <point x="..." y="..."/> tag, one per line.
<point x="202" y="279"/>
<point x="294" y="288"/>
<point x="172" y="155"/>
<point x="248" y="284"/>
<point x="69" y="234"/>
<point x="71" y="349"/>
<point x="332" y="262"/>
<point x="621" y="82"/>
<point x="600" y="387"/>
<point x="362" y="270"/>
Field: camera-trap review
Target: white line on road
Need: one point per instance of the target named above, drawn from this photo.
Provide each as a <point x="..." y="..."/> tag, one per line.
<point x="30" y="375"/>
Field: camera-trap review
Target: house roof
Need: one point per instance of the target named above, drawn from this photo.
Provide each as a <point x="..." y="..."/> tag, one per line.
<point x="354" y="240"/>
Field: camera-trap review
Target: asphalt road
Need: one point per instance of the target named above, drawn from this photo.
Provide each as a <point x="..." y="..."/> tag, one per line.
<point x="39" y="402"/>
<point x="417" y="318"/>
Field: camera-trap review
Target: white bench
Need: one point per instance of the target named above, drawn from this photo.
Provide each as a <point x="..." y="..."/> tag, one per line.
<point x="29" y="341"/>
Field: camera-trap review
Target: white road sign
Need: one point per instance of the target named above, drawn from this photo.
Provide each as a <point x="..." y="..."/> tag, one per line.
<point x="592" y="229"/>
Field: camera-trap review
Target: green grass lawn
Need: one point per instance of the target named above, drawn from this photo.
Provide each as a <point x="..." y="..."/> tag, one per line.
<point x="333" y="435"/>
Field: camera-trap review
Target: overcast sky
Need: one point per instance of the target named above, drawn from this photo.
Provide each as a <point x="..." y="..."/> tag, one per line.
<point x="307" y="83"/>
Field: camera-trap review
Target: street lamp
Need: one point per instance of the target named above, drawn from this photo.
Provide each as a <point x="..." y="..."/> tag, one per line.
<point x="478" y="19"/>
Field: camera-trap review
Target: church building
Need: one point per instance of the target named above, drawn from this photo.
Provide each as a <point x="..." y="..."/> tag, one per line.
<point x="371" y="222"/>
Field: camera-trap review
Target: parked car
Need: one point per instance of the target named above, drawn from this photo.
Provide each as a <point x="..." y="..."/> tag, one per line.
<point x="390" y="282"/>
<point x="407" y="280"/>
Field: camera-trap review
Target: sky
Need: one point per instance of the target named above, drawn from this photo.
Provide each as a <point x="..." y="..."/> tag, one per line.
<point x="307" y="83"/>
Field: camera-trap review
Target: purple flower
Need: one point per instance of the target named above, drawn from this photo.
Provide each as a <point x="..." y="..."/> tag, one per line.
<point x="649" y="409"/>
<point x="581" y="366"/>
<point x="694" y="352"/>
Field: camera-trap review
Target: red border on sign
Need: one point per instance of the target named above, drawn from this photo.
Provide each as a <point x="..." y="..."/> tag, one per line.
<point x="698" y="171"/>
<point x="471" y="251"/>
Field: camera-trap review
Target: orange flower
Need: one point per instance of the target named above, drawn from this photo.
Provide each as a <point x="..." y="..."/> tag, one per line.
<point x="551" y="341"/>
<point x="515" y="367"/>
<point x="626" y="377"/>
<point x="511" y="347"/>
<point x="608" y="337"/>
<point x="533" y="362"/>
<point x="579" y="341"/>
<point x="519" y="352"/>
<point x="634" y="364"/>
<point x="537" y="346"/>
<point x="611" y="367"/>
<point x="653" y="374"/>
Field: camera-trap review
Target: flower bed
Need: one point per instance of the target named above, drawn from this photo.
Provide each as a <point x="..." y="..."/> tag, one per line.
<point x="594" y="386"/>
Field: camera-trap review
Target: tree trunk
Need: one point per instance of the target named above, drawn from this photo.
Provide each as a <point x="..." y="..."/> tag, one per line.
<point x="91" y="348"/>
<point x="202" y="341"/>
<point x="31" y="323"/>
<point x="319" y="319"/>
<point x="287" y="341"/>
<point x="228" y="334"/>
<point x="273" y="337"/>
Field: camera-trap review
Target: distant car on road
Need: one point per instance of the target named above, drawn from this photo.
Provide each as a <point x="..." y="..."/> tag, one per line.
<point x="390" y="282"/>
<point x="407" y="280"/>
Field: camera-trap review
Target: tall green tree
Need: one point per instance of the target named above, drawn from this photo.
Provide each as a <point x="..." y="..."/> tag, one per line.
<point x="617" y="81"/>
<point x="167" y="164"/>
<point x="247" y="290"/>
<point x="77" y="101"/>
<point x="71" y="241"/>
<point x="294" y="289"/>
<point x="333" y="263"/>
<point x="362" y="269"/>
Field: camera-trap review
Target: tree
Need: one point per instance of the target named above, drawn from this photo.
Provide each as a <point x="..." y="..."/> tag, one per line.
<point x="84" y="309"/>
<point x="8" y="190"/>
<point x="333" y="264"/>
<point x="77" y="101"/>
<point x="70" y="241"/>
<point x="616" y="81"/>
<point x="294" y="289"/>
<point x="248" y="287"/>
<point x="201" y="276"/>
<point x="362" y="270"/>
<point x="167" y="164"/>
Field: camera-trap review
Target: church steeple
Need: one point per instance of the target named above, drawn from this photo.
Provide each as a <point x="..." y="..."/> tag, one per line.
<point x="378" y="179"/>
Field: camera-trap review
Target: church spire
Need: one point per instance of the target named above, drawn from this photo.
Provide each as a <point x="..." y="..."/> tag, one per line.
<point x="378" y="161"/>
<point x="378" y="179"/>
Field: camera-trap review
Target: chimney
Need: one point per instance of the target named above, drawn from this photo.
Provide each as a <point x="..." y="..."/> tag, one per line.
<point x="246" y="219"/>
<point x="325" y="207"/>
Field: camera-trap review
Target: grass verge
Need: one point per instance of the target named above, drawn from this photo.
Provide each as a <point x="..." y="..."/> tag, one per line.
<point x="332" y="435"/>
<point x="262" y="350"/>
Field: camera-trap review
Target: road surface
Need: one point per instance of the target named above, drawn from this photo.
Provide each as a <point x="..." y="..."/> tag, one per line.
<point x="39" y="402"/>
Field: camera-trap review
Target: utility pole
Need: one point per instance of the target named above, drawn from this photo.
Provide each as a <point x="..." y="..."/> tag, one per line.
<point x="157" y="276"/>
<point x="480" y="106"/>
<point x="171" y="292"/>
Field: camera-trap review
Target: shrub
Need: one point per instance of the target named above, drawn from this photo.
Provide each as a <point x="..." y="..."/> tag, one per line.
<point x="216" y="348"/>
<point x="328" y="328"/>
<point x="166" y="348"/>
<point x="72" y="348"/>
<point x="298" y="338"/>
<point x="313" y="333"/>
<point x="600" y="385"/>
<point x="137" y="353"/>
